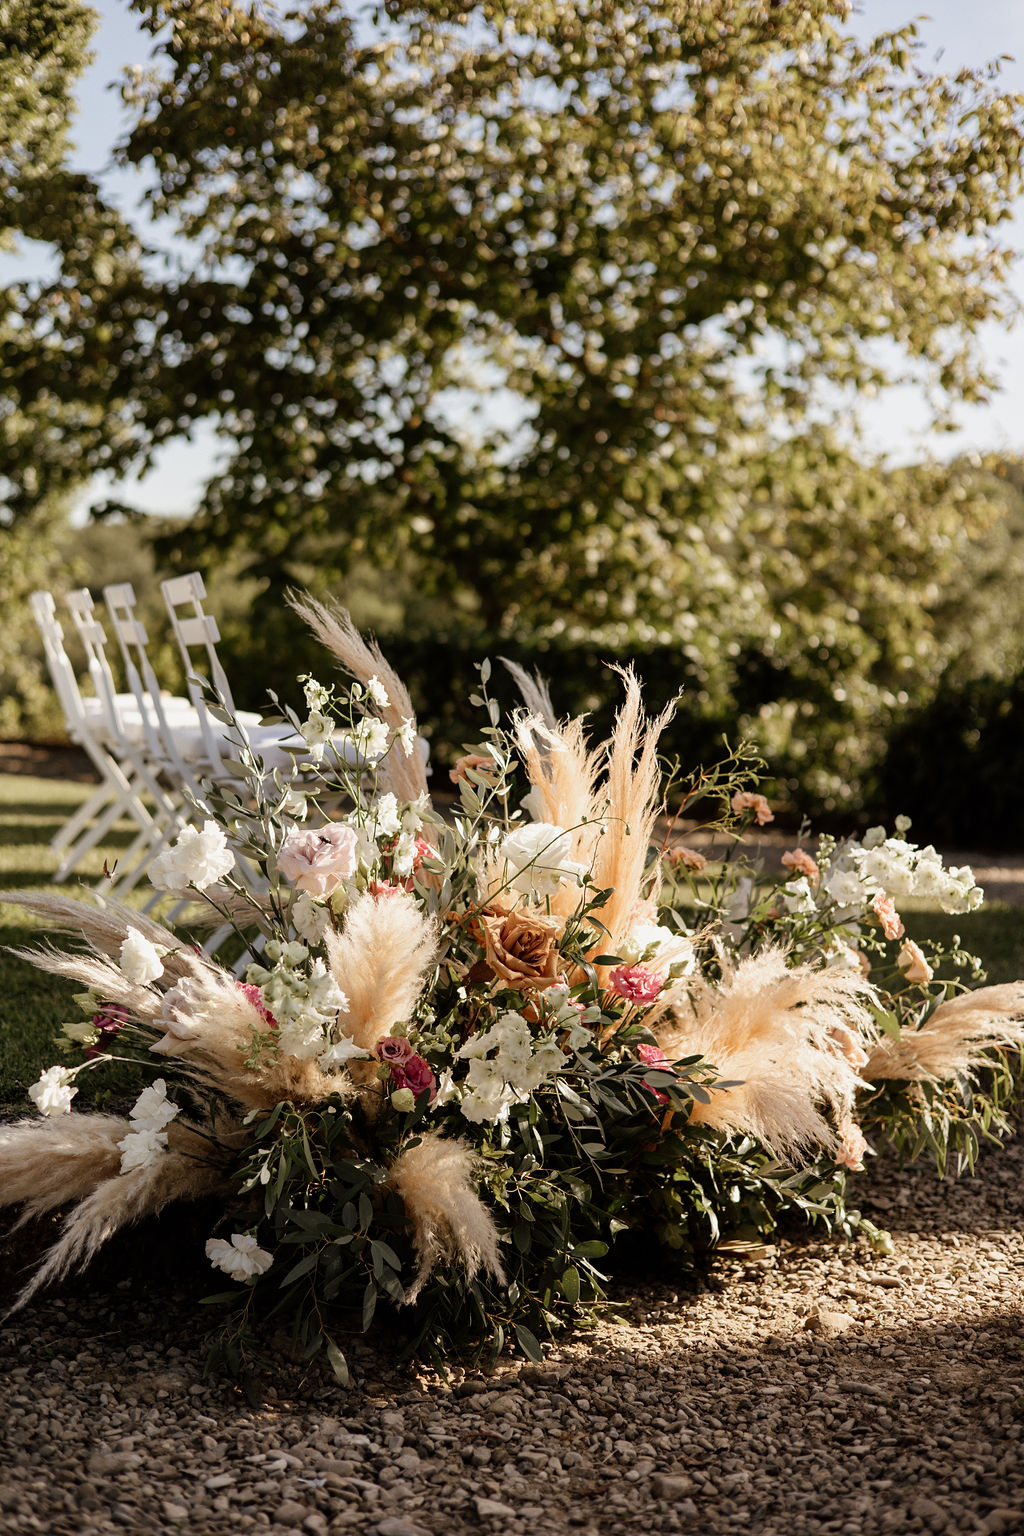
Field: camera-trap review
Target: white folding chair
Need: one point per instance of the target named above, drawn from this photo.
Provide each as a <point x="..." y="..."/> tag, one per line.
<point x="119" y="791"/>
<point x="196" y="632"/>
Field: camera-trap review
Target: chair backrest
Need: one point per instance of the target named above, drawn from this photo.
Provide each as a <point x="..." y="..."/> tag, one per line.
<point x="94" y="641"/>
<point x="44" y="611"/>
<point x="197" y="634"/>
<point x="132" y="640"/>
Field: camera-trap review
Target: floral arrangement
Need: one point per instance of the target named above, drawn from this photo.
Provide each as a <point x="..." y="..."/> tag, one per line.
<point x="456" y="1060"/>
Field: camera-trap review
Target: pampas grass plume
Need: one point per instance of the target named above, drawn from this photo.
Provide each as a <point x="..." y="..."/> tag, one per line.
<point x="449" y="1220"/>
<point x="380" y="961"/>
<point x="954" y="1039"/>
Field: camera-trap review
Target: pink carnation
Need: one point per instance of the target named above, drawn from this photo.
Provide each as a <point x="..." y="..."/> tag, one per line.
<point x="654" y="1056"/>
<point x="885" y="911"/>
<point x="689" y="858"/>
<point x="321" y="860"/>
<point x="748" y="801"/>
<point x="801" y="863"/>
<point x="255" y="997"/>
<point x="636" y="983"/>
<point x="852" y="1145"/>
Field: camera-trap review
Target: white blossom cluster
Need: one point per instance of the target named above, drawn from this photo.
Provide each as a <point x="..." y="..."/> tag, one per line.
<point x="506" y="1065"/>
<point x="197" y="857"/>
<point x="150" y="1116"/>
<point x="303" y="997"/>
<point x="891" y="866"/>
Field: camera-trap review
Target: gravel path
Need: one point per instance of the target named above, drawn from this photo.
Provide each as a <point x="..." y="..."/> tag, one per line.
<point x="823" y="1391"/>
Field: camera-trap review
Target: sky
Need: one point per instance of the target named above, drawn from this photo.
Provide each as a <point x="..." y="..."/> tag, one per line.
<point x="963" y="34"/>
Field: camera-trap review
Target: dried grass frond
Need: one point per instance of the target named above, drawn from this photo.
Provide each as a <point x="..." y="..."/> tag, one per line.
<point x="563" y="770"/>
<point x="405" y="777"/>
<point x="783" y="1033"/>
<point x="435" y="1179"/>
<point x="629" y="801"/>
<point x="49" y="1162"/>
<point x="103" y="923"/>
<point x="214" y="1037"/>
<point x="955" y="1038"/>
<point x="100" y="975"/>
<point x="380" y="961"/>
<point x="118" y="1202"/>
<point x="535" y="693"/>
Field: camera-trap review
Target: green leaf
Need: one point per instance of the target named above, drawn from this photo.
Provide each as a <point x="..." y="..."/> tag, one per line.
<point x="338" y="1364"/>
<point x="528" y="1344"/>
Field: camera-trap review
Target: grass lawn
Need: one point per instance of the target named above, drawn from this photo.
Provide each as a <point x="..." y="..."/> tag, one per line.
<point x="33" y="1005"/>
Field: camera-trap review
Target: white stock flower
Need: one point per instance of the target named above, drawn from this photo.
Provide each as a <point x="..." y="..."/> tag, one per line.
<point x="139" y="959"/>
<point x="406" y="735"/>
<point x="198" y="857"/>
<point x="371" y="737"/>
<point x="310" y="918"/>
<point x="376" y="692"/>
<point x="845" y="887"/>
<point x="315" y="693"/>
<point x="53" y="1093"/>
<point x="517" y="1068"/>
<point x="344" y="1049"/>
<point x="537" y="859"/>
<point x="242" y="1258"/>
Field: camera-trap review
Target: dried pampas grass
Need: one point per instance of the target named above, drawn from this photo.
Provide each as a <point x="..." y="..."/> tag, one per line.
<point x="629" y="800"/>
<point x="123" y="1199"/>
<point x="380" y="961"/>
<point x="784" y="1033"/>
<point x="405" y="777"/>
<point x="954" y="1039"/>
<point x="46" y="1163"/>
<point x="213" y="1034"/>
<point x="449" y="1220"/>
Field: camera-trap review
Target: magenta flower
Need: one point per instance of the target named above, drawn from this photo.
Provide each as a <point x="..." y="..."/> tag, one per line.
<point x="636" y="983"/>
<point x="414" y="1073"/>
<point x="255" y="997"/>
<point x="654" y="1056"/>
<point x="108" y="1021"/>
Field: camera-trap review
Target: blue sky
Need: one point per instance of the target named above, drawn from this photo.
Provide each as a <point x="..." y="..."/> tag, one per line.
<point x="967" y="34"/>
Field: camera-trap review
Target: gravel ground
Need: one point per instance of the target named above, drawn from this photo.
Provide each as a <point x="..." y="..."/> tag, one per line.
<point x="817" y="1391"/>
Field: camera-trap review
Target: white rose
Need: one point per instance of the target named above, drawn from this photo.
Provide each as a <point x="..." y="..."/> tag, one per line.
<point x="536" y="858"/>
<point x="139" y="959"/>
<point x="53" y="1093"/>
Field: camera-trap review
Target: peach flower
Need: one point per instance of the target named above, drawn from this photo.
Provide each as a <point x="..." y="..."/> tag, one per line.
<point x="688" y="858"/>
<point x="801" y="863"/>
<point x="748" y="801"/>
<point x="913" y="963"/>
<point x="885" y="910"/>
<point x="521" y="948"/>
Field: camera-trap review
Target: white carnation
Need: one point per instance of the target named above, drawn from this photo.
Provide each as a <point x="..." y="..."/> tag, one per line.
<point x="197" y="858"/>
<point x="53" y="1093"/>
<point x="139" y="959"/>
<point x="242" y="1258"/>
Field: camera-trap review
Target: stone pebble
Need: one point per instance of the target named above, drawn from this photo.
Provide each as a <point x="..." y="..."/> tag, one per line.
<point x="817" y="1390"/>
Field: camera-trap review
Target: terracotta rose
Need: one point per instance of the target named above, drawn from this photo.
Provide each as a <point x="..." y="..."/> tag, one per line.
<point x="521" y="948"/>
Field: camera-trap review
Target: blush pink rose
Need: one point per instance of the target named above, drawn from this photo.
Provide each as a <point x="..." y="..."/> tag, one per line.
<point x="393" y="1049"/>
<point x="885" y="910"/>
<point x="321" y="860"/>
<point x="636" y="984"/>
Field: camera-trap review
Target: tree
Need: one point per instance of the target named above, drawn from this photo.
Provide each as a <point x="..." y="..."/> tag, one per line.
<point x="605" y="208"/>
<point x="674" y="238"/>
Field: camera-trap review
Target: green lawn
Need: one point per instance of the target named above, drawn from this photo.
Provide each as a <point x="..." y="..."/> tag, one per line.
<point x="33" y="1005"/>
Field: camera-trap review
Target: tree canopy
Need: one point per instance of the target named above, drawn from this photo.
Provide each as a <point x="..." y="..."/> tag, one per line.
<point x="563" y="307"/>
